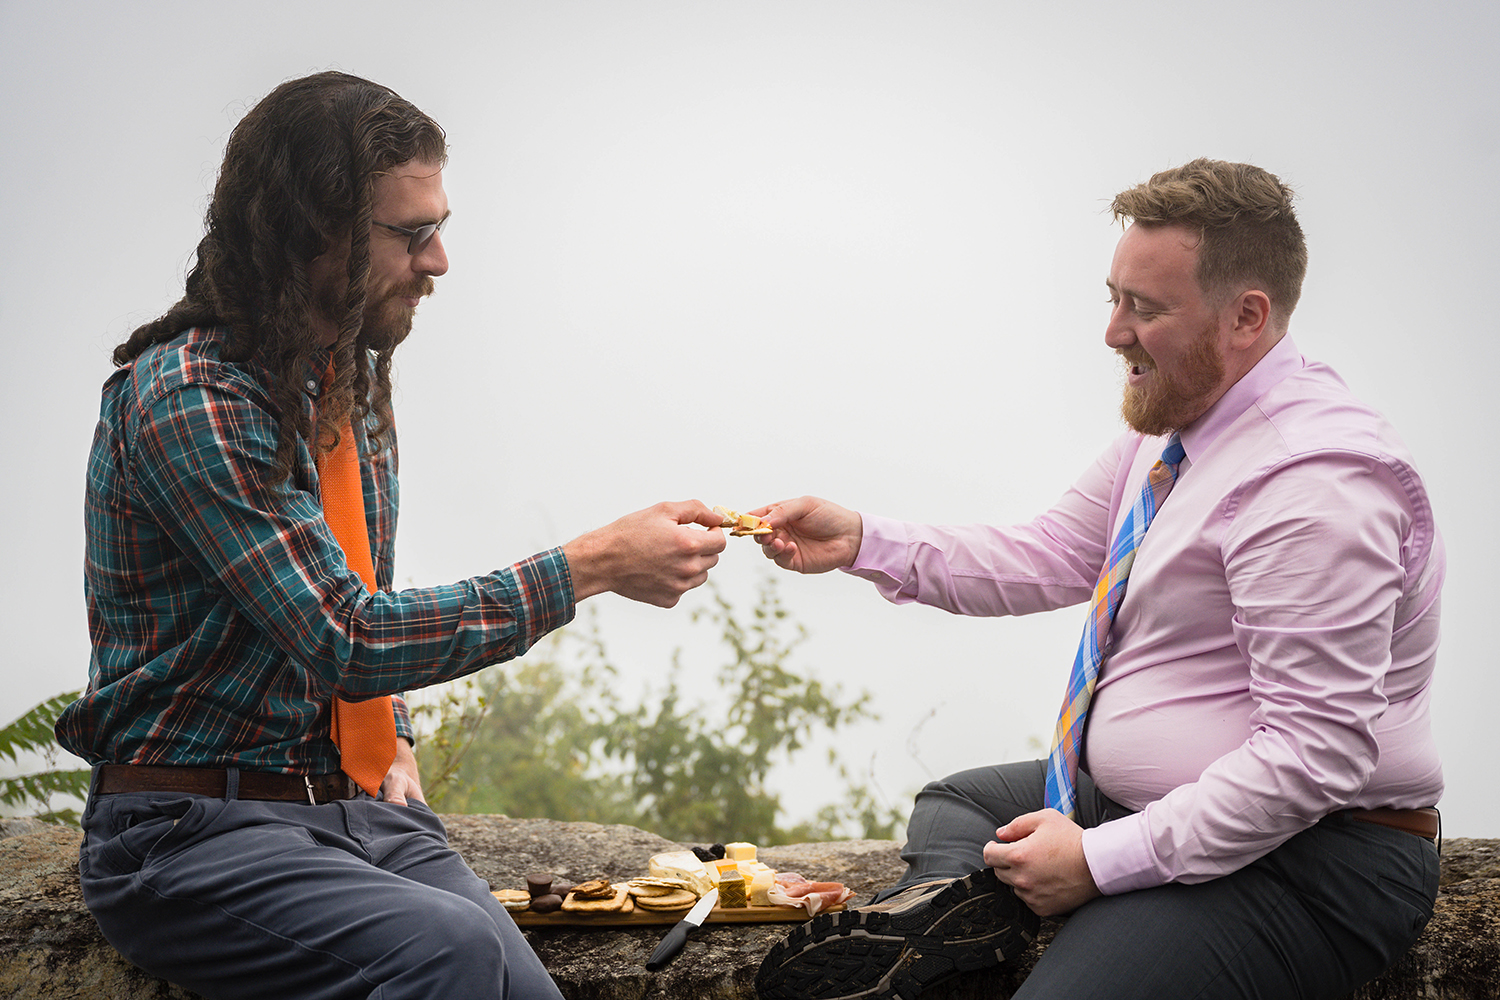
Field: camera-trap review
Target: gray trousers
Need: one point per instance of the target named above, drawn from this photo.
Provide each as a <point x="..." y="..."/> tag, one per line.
<point x="1328" y="910"/>
<point x="238" y="898"/>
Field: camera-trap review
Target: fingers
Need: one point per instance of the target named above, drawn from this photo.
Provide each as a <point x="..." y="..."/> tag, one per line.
<point x="1022" y="826"/>
<point x="403" y="782"/>
<point x="658" y="554"/>
<point x="653" y="556"/>
<point x="1040" y="855"/>
<point x="783" y="512"/>
<point x="1009" y="848"/>
<point x="781" y="550"/>
<point x="811" y="535"/>
<point x="693" y="512"/>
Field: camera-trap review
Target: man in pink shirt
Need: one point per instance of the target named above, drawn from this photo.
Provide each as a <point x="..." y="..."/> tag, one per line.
<point x="1255" y="786"/>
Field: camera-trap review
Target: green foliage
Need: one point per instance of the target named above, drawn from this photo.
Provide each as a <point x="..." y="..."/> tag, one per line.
<point x="541" y="739"/>
<point x="522" y="741"/>
<point x="32" y="733"/>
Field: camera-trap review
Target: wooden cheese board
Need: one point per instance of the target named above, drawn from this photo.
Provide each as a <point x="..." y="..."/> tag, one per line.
<point x="644" y="918"/>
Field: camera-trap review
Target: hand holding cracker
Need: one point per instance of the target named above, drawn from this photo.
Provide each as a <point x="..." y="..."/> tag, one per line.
<point x="810" y="535"/>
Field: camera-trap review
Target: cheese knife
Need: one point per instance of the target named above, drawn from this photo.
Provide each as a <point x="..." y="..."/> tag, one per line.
<point x="678" y="935"/>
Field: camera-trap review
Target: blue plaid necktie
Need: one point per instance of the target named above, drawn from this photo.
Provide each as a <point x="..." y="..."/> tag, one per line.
<point x="1067" y="740"/>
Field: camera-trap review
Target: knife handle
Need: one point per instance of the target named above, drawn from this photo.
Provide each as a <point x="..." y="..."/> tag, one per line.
<point x="669" y="947"/>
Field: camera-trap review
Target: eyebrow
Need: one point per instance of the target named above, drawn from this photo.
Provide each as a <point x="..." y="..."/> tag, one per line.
<point x="1146" y="300"/>
<point x="419" y="223"/>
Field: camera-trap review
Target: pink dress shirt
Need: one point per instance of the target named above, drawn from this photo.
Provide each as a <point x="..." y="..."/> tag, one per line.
<point x="1272" y="660"/>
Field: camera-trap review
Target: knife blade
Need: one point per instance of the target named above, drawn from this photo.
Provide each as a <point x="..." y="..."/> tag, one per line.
<point x="678" y="935"/>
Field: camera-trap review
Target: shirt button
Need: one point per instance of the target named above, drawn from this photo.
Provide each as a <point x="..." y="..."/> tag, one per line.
<point x="312" y="385"/>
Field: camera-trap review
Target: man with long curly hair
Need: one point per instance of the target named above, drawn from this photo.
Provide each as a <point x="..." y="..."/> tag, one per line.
<point x="255" y="826"/>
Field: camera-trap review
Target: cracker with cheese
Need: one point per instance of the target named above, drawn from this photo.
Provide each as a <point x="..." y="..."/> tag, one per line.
<point x="739" y="524"/>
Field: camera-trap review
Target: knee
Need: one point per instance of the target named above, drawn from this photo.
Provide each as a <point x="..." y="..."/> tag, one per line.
<point x="454" y="925"/>
<point x="455" y="947"/>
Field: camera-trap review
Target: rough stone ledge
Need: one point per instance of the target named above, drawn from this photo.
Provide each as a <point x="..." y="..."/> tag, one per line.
<point x="51" y="948"/>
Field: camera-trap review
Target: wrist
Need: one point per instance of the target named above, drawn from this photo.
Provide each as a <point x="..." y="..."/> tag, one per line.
<point x="583" y="555"/>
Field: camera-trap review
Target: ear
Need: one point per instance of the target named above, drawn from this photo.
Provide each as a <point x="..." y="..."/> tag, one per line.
<point x="1249" y="317"/>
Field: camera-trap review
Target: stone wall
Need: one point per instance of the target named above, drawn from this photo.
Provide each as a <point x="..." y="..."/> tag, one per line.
<point x="51" y="948"/>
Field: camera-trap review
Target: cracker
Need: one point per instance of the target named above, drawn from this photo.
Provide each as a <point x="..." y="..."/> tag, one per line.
<point x="675" y="899"/>
<point x="618" y="902"/>
<point x="594" y="888"/>
<point x="654" y="886"/>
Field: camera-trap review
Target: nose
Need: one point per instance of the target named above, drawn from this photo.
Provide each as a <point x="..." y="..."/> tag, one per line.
<point x="1118" y="332"/>
<point x="431" y="260"/>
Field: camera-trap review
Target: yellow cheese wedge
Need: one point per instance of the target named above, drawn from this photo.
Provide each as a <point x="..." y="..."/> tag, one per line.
<point x="760" y="887"/>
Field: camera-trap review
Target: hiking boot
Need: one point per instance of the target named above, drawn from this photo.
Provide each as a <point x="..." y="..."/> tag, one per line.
<point x="898" y="947"/>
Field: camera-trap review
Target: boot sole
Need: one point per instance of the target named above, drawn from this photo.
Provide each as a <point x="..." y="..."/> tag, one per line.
<point x="973" y="923"/>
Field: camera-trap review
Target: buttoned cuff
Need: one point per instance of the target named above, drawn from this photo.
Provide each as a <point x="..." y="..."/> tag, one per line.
<point x="403" y="719"/>
<point x="1120" y="856"/>
<point x="544" y="590"/>
<point x="883" y="549"/>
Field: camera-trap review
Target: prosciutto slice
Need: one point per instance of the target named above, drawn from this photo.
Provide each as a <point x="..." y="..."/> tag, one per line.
<point x="791" y="889"/>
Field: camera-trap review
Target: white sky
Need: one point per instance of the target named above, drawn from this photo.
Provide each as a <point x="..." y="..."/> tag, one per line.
<point x="742" y="251"/>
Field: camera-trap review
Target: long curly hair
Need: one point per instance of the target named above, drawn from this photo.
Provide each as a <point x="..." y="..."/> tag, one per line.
<point x="298" y="180"/>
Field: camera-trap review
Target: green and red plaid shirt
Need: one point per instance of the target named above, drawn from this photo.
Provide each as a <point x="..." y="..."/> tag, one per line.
<point x="222" y="614"/>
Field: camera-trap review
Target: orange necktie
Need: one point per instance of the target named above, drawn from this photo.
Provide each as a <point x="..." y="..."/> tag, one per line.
<point x="364" y="731"/>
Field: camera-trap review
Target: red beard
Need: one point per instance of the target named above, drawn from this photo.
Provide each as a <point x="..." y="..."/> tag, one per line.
<point x="1169" y="403"/>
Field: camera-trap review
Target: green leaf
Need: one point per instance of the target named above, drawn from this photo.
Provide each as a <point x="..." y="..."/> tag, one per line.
<point x="32" y="732"/>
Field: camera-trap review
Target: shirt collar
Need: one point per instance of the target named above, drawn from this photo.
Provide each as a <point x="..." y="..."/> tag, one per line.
<point x="1280" y="361"/>
<point x="319" y="370"/>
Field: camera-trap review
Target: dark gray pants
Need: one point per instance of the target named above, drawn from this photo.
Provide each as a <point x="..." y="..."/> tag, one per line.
<point x="237" y="898"/>
<point x="1330" y="909"/>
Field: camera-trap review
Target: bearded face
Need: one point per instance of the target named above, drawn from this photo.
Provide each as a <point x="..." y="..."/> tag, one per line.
<point x="407" y="197"/>
<point x="1174" y="340"/>
<point x="1158" y="401"/>
<point x="388" y="318"/>
<point x="388" y="311"/>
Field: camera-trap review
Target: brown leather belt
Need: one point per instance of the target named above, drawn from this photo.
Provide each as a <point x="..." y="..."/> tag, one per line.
<point x="1422" y="822"/>
<point x="264" y="785"/>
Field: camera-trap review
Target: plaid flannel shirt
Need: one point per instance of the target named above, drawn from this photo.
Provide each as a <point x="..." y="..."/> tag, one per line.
<point x="222" y="613"/>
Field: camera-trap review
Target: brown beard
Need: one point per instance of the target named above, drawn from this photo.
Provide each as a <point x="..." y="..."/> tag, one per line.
<point x="386" y="323"/>
<point x="1171" y="403"/>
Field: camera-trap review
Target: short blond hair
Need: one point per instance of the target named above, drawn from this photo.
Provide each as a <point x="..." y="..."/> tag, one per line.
<point x="1250" y="237"/>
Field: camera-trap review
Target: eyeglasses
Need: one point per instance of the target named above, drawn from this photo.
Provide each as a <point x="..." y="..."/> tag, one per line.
<point x="419" y="237"/>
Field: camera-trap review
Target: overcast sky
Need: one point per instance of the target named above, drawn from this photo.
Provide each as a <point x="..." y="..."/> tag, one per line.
<point x="743" y="251"/>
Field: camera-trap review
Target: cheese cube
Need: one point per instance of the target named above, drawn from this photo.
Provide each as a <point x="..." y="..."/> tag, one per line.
<point x="739" y="851"/>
